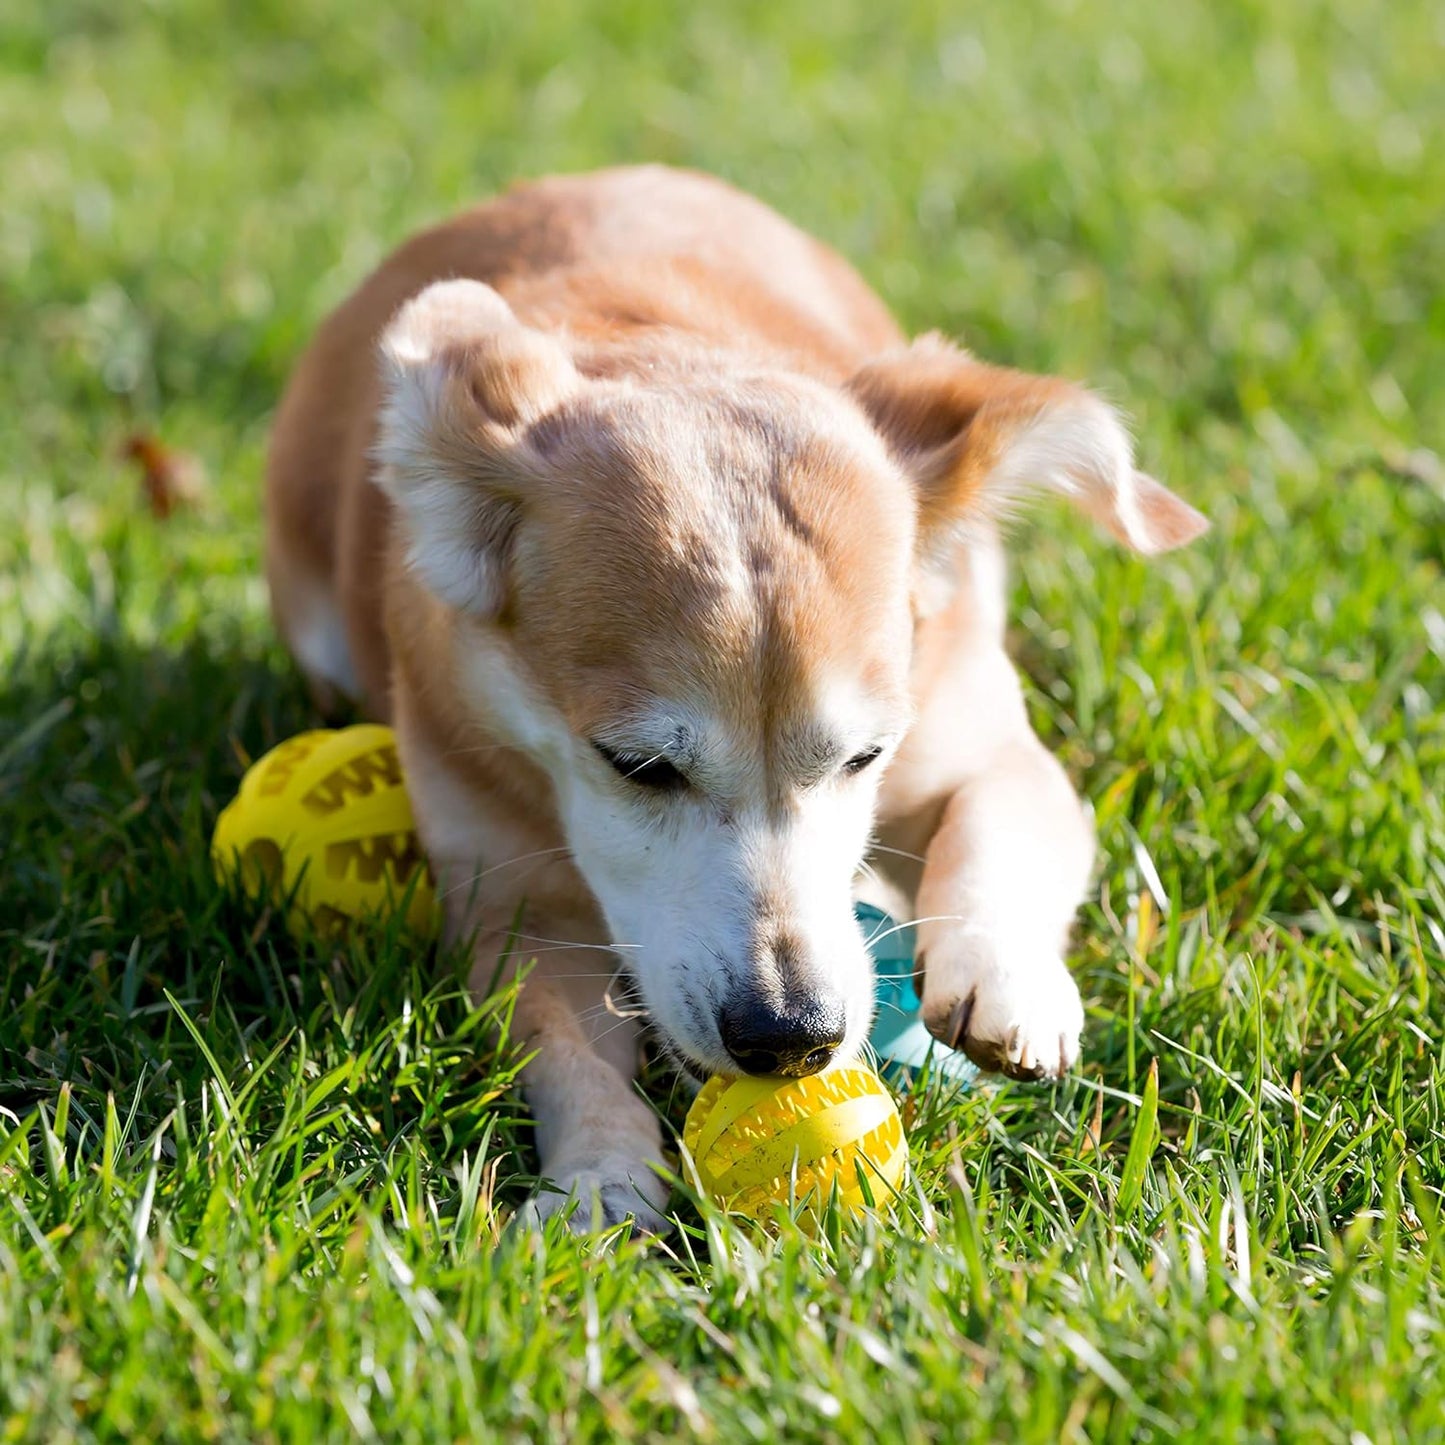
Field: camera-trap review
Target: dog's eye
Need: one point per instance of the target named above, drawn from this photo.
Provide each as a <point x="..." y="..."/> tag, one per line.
<point x="857" y="763"/>
<point x="655" y="773"/>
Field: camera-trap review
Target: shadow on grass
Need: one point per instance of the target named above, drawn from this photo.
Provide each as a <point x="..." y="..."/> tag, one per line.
<point x="115" y="759"/>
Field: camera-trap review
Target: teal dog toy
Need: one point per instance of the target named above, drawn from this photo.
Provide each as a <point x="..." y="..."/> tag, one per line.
<point x="904" y="1047"/>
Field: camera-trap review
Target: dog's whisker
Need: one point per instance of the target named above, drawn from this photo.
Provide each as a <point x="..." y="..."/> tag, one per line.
<point x="874" y="939"/>
<point x="594" y="1015"/>
<point x="617" y="1008"/>
<point x="599" y="976"/>
<point x="629" y="1008"/>
<point x="475" y="878"/>
<point x="523" y="858"/>
<point x="622" y="998"/>
<point x="598" y="1012"/>
<point x="608" y="1032"/>
<point x="550" y="977"/>
<point x="897" y="852"/>
<point x="571" y="942"/>
<point x="474" y="752"/>
<point x="562" y="946"/>
<point x="912" y="923"/>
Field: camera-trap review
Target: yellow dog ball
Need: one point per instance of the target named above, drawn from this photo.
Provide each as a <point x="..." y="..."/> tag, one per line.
<point x="326" y="814"/>
<point x="760" y="1142"/>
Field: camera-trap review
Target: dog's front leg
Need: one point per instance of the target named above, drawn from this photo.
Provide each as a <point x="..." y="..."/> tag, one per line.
<point x="1002" y="877"/>
<point x="598" y="1140"/>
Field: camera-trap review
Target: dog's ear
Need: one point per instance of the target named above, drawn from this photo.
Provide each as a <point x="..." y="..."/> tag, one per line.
<point x="976" y="439"/>
<point x="464" y="383"/>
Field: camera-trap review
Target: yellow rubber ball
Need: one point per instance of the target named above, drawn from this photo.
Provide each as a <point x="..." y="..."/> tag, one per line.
<point x="326" y="814"/>
<point x="761" y="1142"/>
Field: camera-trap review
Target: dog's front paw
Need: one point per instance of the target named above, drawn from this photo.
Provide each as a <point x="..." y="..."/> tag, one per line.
<point x="600" y="1195"/>
<point x="1021" y="1018"/>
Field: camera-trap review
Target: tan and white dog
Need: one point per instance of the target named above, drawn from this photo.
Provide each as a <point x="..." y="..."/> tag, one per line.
<point x="676" y="569"/>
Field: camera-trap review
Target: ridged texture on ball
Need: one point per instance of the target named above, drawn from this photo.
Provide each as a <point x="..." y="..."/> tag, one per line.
<point x="758" y="1143"/>
<point x="329" y="809"/>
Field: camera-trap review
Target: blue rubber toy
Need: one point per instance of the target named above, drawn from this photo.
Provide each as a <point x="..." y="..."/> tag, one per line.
<point x="904" y="1047"/>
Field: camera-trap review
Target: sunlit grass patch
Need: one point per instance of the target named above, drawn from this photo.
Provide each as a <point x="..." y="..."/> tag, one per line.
<point x="259" y="1188"/>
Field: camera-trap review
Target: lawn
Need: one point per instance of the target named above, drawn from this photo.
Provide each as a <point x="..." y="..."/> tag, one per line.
<point x="252" y="1191"/>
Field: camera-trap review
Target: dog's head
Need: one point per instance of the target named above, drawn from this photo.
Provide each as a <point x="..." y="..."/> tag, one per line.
<point x="691" y="601"/>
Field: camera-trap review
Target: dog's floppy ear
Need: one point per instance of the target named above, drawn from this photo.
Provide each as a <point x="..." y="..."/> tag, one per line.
<point x="464" y="382"/>
<point x="976" y="439"/>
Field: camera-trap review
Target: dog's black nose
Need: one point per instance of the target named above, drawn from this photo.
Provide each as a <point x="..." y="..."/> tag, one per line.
<point x="800" y="1038"/>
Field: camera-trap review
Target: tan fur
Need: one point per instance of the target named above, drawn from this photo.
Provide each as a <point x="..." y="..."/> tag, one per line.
<point x="678" y="454"/>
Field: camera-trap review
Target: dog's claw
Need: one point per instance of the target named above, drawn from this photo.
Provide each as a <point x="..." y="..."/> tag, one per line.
<point x="1023" y="1023"/>
<point x="1013" y="1057"/>
<point x="958" y="1022"/>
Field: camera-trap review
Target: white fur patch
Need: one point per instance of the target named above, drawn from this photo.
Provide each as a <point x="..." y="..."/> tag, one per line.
<point x="443" y="513"/>
<point x="1081" y="450"/>
<point x="445" y="536"/>
<point x="463" y="382"/>
<point x="317" y="635"/>
<point x="496" y="688"/>
<point x="444" y="314"/>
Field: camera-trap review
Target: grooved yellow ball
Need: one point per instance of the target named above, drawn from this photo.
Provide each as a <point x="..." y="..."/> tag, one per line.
<point x="326" y="813"/>
<point x="759" y="1142"/>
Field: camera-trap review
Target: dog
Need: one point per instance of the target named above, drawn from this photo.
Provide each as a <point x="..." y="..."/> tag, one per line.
<point x="677" y="570"/>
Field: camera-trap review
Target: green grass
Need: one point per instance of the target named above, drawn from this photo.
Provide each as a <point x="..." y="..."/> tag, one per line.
<point x="253" y="1191"/>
